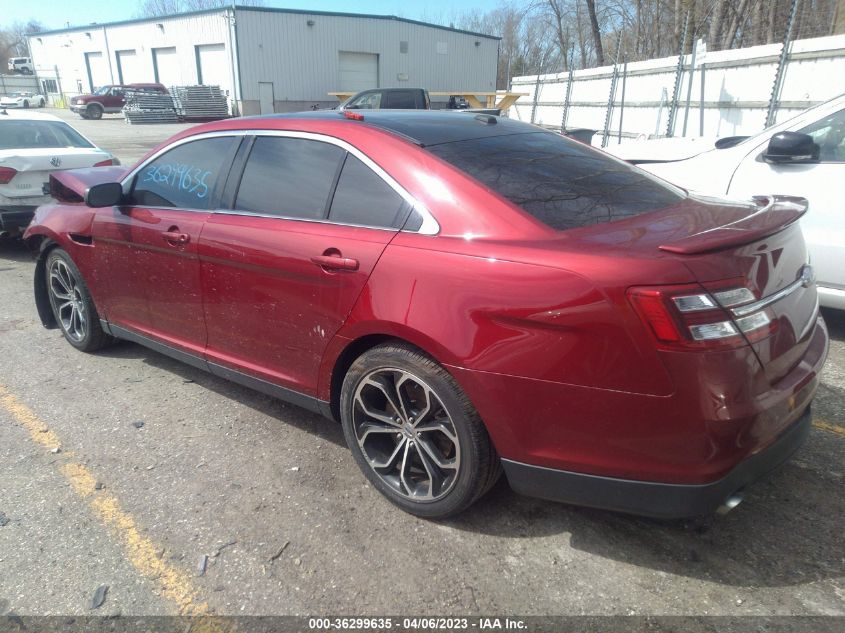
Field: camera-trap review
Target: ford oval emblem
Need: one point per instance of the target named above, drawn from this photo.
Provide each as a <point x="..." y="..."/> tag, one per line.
<point x="808" y="276"/>
<point x="56" y="161"/>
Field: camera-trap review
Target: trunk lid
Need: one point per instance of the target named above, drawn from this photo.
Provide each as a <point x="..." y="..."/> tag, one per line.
<point x="34" y="167"/>
<point x="728" y="245"/>
<point x="765" y="253"/>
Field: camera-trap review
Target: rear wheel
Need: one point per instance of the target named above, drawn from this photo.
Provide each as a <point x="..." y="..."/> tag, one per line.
<point x="415" y="434"/>
<point x="72" y="306"/>
<point x="94" y="111"/>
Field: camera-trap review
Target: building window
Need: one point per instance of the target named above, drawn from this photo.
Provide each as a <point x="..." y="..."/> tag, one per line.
<point x="403" y="47"/>
<point x="49" y="86"/>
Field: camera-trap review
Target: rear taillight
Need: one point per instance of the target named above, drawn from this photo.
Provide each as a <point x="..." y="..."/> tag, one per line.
<point x="105" y="163"/>
<point x="691" y="317"/>
<point x="6" y="174"/>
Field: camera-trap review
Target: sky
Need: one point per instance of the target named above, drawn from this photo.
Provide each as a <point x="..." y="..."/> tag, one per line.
<point x="55" y="14"/>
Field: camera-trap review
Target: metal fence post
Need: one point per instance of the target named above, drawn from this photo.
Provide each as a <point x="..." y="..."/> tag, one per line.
<point x="673" y="106"/>
<point x="781" y="68"/>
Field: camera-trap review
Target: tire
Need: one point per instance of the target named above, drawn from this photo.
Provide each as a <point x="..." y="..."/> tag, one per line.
<point x="94" y="111"/>
<point x="71" y="303"/>
<point x="434" y="466"/>
<point x="25" y="104"/>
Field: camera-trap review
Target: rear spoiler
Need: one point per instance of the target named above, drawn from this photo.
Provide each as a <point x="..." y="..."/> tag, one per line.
<point x="70" y="185"/>
<point x="774" y="213"/>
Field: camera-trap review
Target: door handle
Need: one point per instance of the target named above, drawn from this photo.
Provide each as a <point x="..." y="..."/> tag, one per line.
<point x="333" y="262"/>
<point x="175" y="237"/>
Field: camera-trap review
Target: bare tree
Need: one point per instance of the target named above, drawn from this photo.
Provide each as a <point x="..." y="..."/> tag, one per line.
<point x="13" y="40"/>
<point x="594" y="25"/>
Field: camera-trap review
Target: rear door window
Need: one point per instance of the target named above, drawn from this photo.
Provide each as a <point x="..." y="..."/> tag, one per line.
<point x="558" y="181"/>
<point x="363" y="198"/>
<point x="289" y="177"/>
<point x="185" y="176"/>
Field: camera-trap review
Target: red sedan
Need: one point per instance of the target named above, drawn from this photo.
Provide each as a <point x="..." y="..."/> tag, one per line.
<point x="465" y="294"/>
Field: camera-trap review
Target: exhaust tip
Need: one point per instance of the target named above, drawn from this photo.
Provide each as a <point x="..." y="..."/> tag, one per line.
<point x="729" y="504"/>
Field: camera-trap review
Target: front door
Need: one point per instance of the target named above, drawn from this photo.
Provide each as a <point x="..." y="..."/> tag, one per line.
<point x="824" y="223"/>
<point x="283" y="269"/>
<point x="152" y="243"/>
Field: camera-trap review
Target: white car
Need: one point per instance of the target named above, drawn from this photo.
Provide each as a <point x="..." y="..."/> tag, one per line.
<point x="33" y="145"/>
<point x="803" y="156"/>
<point x="22" y="100"/>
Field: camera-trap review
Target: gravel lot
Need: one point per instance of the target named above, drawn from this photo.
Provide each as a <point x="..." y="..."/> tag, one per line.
<point x="193" y="466"/>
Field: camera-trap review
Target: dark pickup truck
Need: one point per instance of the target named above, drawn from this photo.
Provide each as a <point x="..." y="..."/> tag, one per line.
<point x="403" y="99"/>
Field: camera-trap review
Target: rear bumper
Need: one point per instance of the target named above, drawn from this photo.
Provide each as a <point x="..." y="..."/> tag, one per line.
<point x="649" y="498"/>
<point x="14" y="219"/>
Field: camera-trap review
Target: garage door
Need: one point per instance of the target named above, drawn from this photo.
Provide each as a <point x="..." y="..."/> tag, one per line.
<point x="358" y="71"/>
<point x="213" y="66"/>
<point x="129" y="69"/>
<point x="98" y="72"/>
<point x="166" y="66"/>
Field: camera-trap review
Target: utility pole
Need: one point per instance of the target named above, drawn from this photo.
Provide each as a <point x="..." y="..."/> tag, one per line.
<point x="782" y="62"/>
<point x="673" y="105"/>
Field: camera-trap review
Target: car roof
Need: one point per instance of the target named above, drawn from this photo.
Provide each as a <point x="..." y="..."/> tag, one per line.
<point x="424" y="127"/>
<point x="27" y="115"/>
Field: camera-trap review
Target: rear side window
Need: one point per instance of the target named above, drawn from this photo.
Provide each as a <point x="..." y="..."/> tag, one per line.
<point x="185" y="176"/>
<point x="363" y="198"/>
<point x="28" y="134"/>
<point x="289" y="177"/>
<point x="402" y="100"/>
<point x="560" y="182"/>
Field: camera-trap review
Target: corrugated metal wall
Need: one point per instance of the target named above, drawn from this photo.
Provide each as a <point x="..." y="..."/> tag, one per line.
<point x="737" y="87"/>
<point x="66" y="49"/>
<point x="302" y="61"/>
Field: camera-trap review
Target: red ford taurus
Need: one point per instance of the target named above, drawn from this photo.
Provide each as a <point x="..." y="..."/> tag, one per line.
<point x="466" y="294"/>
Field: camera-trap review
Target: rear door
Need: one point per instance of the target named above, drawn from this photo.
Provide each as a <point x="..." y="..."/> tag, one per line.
<point x="284" y="266"/>
<point x="150" y="244"/>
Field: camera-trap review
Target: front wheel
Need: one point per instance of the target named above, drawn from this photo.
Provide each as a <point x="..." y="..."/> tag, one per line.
<point x="94" y="111"/>
<point x="415" y="434"/>
<point x="71" y="302"/>
<point x="26" y="104"/>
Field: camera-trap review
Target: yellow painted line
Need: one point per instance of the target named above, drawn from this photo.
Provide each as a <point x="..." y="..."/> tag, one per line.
<point x="827" y="426"/>
<point x="173" y="583"/>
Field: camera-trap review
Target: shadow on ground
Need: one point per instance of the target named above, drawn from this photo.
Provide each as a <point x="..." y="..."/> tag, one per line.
<point x="788" y="530"/>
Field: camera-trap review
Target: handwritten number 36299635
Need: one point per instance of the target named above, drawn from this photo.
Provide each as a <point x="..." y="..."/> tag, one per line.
<point x="179" y="176"/>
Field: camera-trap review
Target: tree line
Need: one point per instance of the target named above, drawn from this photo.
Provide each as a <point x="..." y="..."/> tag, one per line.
<point x="549" y="36"/>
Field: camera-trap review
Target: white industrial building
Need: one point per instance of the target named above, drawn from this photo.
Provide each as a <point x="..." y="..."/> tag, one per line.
<point x="267" y="59"/>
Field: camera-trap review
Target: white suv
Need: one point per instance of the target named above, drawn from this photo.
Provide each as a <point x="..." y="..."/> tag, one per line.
<point x="21" y="65"/>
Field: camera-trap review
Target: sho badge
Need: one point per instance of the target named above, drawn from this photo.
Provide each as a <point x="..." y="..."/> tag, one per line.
<point x="56" y="161"/>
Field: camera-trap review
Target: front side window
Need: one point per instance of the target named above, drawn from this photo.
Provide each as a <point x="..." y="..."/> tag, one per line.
<point x="368" y="101"/>
<point x="558" y="181"/>
<point x="185" y="176"/>
<point x="289" y="177"/>
<point x="829" y="135"/>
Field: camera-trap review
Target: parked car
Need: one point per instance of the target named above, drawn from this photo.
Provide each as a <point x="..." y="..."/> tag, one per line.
<point x="21" y="65"/>
<point x="108" y="99"/>
<point x="803" y="156"/>
<point x="465" y="294"/>
<point x="34" y="145"/>
<point x="22" y="100"/>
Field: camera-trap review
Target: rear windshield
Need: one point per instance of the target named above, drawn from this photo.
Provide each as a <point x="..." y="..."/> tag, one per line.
<point x="562" y="183"/>
<point x="21" y="134"/>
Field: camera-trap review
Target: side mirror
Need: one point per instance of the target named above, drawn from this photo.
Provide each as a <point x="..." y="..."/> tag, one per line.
<point x="791" y="147"/>
<point x="105" y="194"/>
